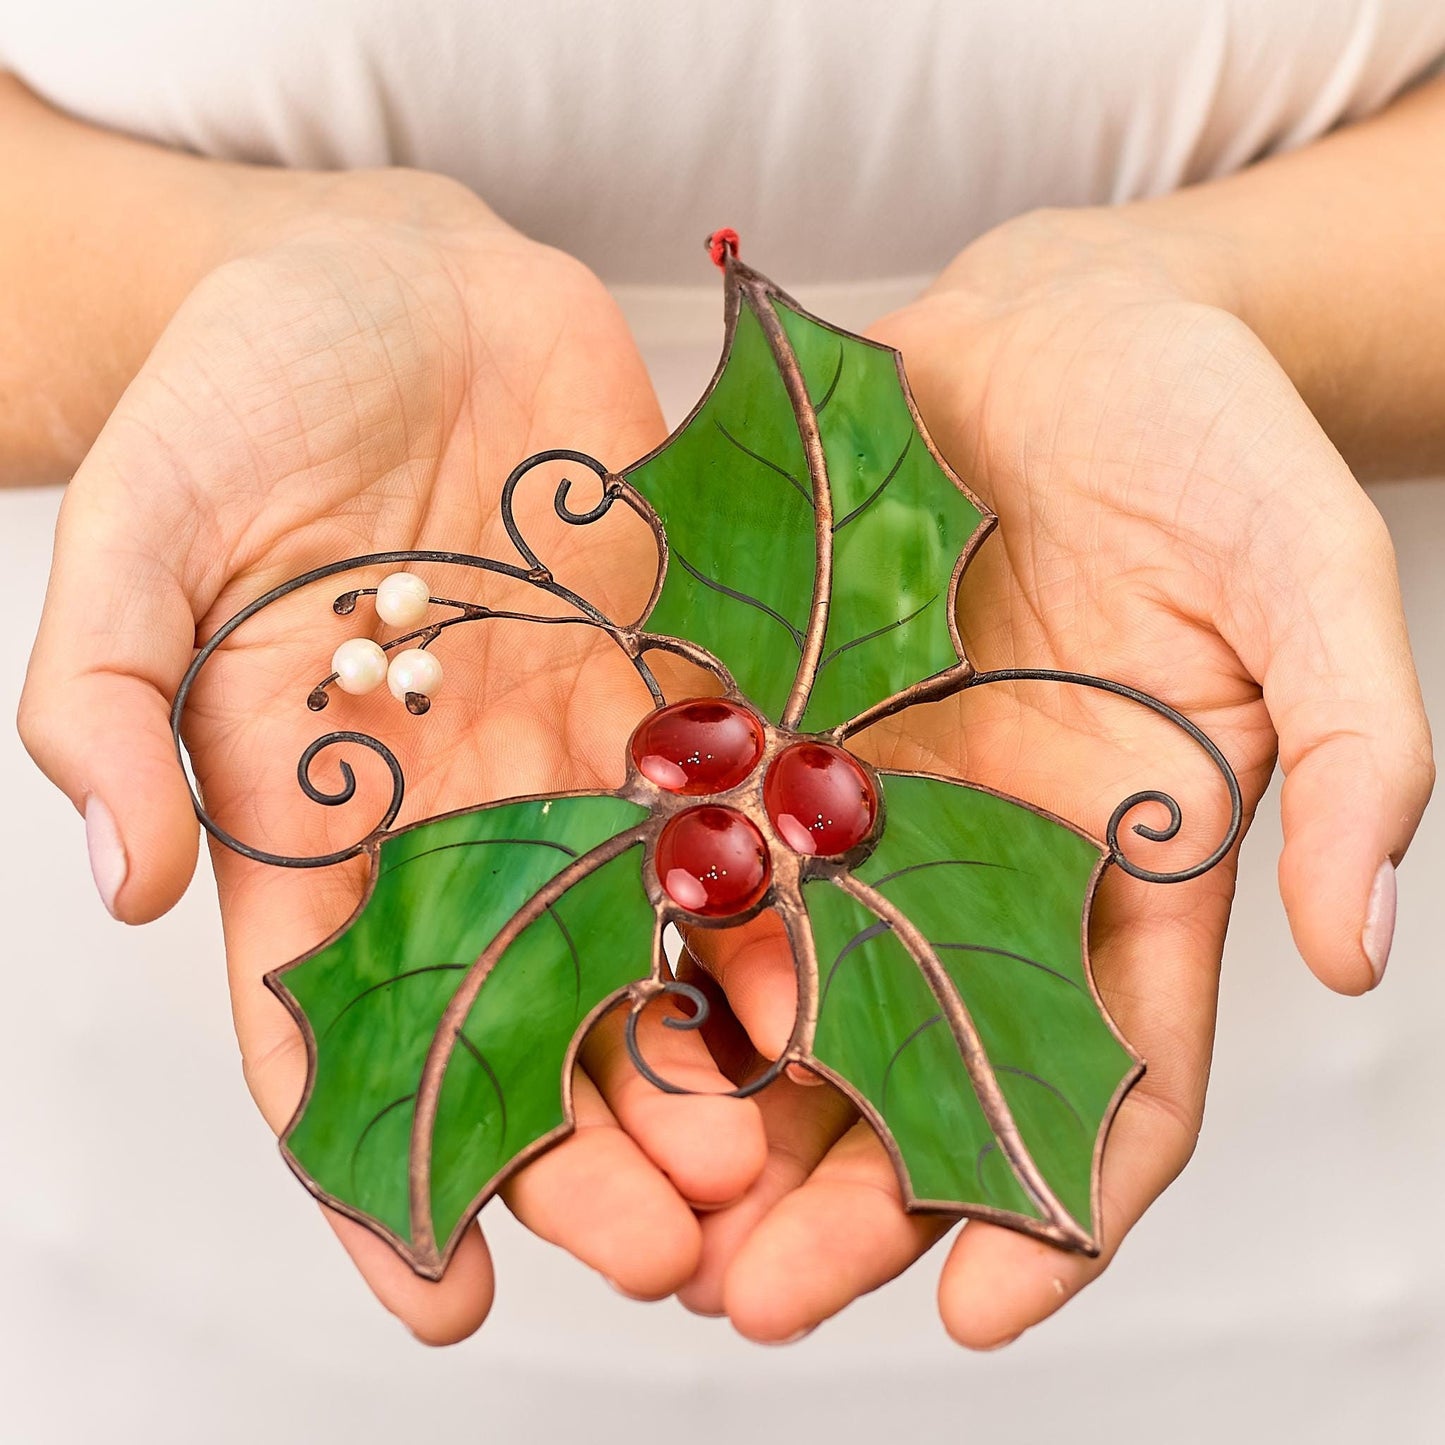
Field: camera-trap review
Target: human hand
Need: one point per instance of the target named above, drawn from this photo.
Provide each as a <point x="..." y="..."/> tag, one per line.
<point x="1172" y="517"/>
<point x="359" y="377"/>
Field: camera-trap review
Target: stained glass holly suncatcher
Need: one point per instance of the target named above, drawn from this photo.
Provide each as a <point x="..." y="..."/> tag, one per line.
<point x="810" y="543"/>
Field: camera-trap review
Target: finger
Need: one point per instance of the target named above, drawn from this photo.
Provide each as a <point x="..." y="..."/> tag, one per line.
<point x="840" y="1234"/>
<point x="114" y="640"/>
<point x="712" y="1147"/>
<point x="754" y="965"/>
<point x="1340" y="685"/>
<point x="599" y="1197"/>
<point x="802" y="1124"/>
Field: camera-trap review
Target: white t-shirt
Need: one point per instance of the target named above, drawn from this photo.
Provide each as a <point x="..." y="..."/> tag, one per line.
<point x="845" y="140"/>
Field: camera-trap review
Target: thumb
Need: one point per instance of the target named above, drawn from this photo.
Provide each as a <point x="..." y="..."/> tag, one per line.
<point x="753" y="964"/>
<point x="116" y="634"/>
<point x="1354" y="744"/>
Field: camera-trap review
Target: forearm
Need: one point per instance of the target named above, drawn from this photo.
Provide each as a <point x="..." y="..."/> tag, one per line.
<point x="1335" y="256"/>
<point x="101" y="238"/>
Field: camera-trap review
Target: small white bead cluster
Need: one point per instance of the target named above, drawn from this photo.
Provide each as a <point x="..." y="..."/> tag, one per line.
<point x="361" y="665"/>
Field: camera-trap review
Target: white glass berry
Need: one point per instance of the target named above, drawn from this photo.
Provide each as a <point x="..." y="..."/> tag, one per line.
<point x="402" y="599"/>
<point x="414" y="671"/>
<point x="359" y="665"/>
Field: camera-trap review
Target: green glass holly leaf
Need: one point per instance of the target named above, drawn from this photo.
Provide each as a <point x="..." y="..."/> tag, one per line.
<point x="807" y="446"/>
<point x="441" y="1021"/>
<point x="955" y="1006"/>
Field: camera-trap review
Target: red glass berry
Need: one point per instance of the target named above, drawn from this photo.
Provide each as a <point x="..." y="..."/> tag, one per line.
<point x="820" y="800"/>
<point x="703" y="746"/>
<point x="712" y="861"/>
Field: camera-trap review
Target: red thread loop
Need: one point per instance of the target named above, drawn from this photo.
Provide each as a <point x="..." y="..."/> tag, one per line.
<point x="721" y="244"/>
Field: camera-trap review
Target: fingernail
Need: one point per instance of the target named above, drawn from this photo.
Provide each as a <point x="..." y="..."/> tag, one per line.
<point x="107" y="852"/>
<point x="999" y="1344"/>
<point x="1380" y="920"/>
<point x="802" y="1334"/>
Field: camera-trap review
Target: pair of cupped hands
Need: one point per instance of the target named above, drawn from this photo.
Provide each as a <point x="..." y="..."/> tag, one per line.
<point x="361" y="373"/>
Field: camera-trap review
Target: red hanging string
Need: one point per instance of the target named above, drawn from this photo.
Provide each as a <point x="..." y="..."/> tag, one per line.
<point x="721" y="244"/>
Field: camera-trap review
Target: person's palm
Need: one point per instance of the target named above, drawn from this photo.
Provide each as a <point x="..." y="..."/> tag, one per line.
<point x="1170" y="517"/>
<point x="364" y="386"/>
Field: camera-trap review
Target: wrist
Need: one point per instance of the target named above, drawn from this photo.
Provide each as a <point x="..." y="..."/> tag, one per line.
<point x="105" y="236"/>
<point x="1136" y="250"/>
<point x="265" y="208"/>
<point x="111" y="235"/>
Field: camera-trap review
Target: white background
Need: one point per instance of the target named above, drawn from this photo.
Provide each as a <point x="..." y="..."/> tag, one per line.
<point x="163" y="1278"/>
